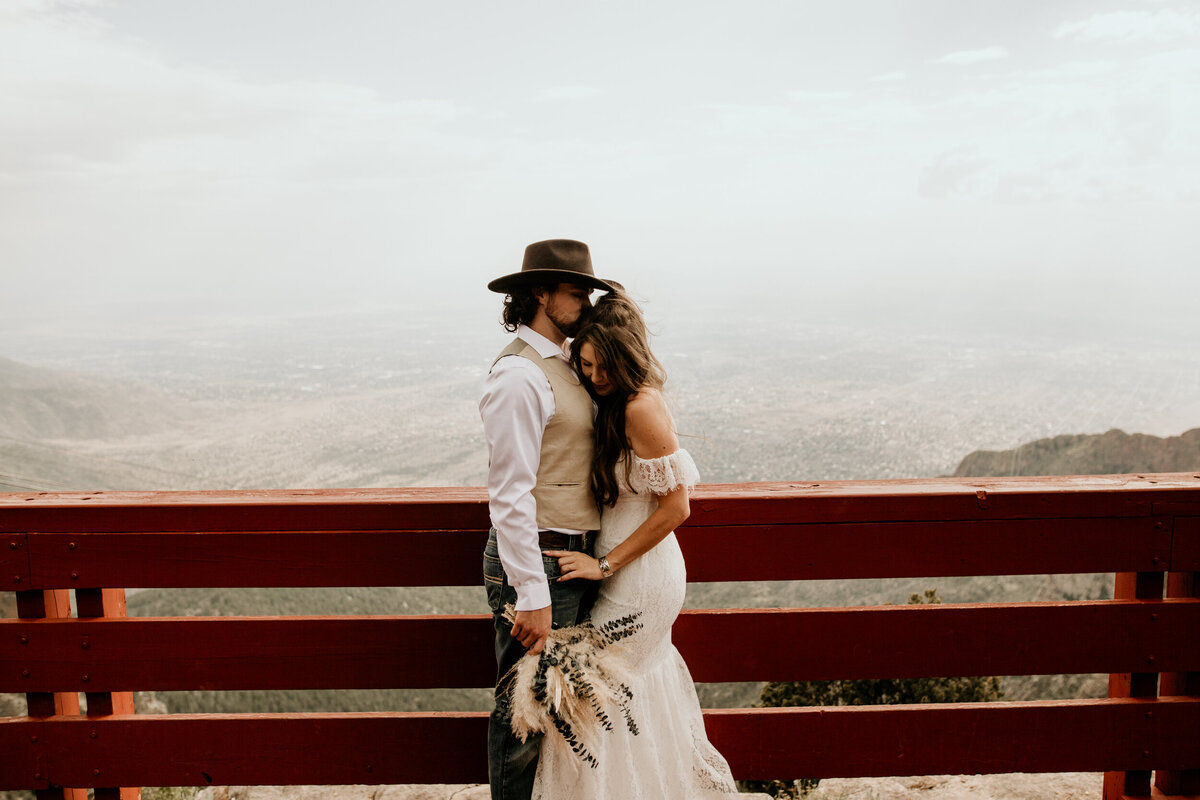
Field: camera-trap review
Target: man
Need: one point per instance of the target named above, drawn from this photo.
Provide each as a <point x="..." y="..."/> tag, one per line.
<point x="537" y="419"/>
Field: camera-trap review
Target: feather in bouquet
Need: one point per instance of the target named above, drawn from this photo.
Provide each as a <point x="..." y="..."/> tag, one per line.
<point x="570" y="685"/>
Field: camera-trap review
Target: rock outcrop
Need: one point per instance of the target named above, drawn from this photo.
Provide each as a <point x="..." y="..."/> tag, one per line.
<point x="1115" y="452"/>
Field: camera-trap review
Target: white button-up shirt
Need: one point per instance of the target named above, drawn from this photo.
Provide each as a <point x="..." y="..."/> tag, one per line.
<point x="516" y="406"/>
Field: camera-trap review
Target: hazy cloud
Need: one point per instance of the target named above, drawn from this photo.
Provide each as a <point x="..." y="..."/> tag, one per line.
<point x="961" y="172"/>
<point x="18" y="9"/>
<point x="568" y="93"/>
<point x="816" y="97"/>
<point x="79" y="98"/>
<point x="1162" y="25"/>
<point x="256" y="151"/>
<point x="962" y="57"/>
<point x="97" y="100"/>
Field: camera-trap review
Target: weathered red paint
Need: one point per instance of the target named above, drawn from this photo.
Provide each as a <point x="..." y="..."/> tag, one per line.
<point x="1180" y="782"/>
<point x="295" y="510"/>
<point x="175" y="654"/>
<point x="257" y="558"/>
<point x="344" y="652"/>
<point x="1142" y="586"/>
<point x="196" y="750"/>
<point x="850" y="741"/>
<point x="401" y="557"/>
<point x="1185" y="546"/>
<point x="823" y="551"/>
<point x="713" y="504"/>
<point x="1139" y="526"/>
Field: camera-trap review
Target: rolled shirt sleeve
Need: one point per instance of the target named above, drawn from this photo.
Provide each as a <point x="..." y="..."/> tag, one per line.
<point x="516" y="405"/>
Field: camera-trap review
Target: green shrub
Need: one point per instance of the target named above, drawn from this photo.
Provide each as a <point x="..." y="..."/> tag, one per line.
<point x="868" y="692"/>
<point x="169" y="792"/>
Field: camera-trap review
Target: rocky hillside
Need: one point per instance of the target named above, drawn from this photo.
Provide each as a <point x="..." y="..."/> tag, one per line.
<point x="56" y="430"/>
<point x="1115" y="452"/>
<point x="65" y="432"/>
<point x="44" y="404"/>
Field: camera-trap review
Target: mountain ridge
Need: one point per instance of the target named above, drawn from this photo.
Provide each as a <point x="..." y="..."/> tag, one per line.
<point x="1114" y="452"/>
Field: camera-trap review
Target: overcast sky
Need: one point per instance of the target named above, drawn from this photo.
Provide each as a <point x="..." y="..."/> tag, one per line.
<point x="1019" y="160"/>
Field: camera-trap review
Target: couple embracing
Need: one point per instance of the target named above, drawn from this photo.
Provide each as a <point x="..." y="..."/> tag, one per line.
<point x="584" y="577"/>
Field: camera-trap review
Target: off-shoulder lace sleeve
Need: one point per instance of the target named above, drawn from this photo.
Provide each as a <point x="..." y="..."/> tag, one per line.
<point x="667" y="473"/>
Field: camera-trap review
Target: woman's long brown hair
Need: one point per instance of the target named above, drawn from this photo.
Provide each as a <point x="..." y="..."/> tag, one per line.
<point x="616" y="331"/>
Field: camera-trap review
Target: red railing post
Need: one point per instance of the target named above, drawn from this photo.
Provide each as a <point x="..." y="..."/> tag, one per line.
<point x="52" y="604"/>
<point x="106" y="603"/>
<point x="1133" y="586"/>
<point x="1181" y="584"/>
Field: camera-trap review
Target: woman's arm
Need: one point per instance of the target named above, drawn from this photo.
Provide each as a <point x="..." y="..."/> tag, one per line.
<point x="650" y="434"/>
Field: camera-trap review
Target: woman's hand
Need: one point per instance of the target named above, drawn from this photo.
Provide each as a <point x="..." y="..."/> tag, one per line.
<point x="576" y="565"/>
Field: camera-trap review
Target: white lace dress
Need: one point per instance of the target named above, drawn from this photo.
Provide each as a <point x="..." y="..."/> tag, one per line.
<point x="669" y="756"/>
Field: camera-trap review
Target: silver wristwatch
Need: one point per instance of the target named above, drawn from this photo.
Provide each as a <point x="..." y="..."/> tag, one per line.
<point x="605" y="569"/>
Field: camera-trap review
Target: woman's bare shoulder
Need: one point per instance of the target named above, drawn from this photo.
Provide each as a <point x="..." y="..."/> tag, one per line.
<point x="646" y="396"/>
<point x="648" y="424"/>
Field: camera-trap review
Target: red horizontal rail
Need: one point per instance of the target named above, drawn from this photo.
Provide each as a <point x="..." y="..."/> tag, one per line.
<point x="288" y="509"/>
<point x="1179" y="506"/>
<point x="217" y="653"/>
<point x="175" y="654"/>
<point x="959" y="739"/>
<point x="925" y="549"/>
<point x="1185" y="544"/>
<point x="939" y="641"/>
<point x="256" y="558"/>
<point x="247" y="749"/>
<point x="714" y="504"/>
<point x="402" y="557"/>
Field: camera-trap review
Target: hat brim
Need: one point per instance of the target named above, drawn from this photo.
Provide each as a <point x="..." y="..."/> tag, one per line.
<point x="539" y="277"/>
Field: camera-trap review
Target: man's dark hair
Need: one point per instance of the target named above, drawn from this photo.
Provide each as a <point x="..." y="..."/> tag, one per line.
<point x="521" y="305"/>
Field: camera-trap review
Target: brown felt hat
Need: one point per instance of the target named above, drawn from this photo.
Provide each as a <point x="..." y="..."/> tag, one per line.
<point x="552" y="261"/>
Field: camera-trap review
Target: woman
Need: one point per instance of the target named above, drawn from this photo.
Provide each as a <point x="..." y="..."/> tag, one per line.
<point x="654" y="745"/>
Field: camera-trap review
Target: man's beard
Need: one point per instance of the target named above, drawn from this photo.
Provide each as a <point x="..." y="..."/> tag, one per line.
<point x="569" y="329"/>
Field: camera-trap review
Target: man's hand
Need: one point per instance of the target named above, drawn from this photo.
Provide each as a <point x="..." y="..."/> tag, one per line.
<point x="531" y="628"/>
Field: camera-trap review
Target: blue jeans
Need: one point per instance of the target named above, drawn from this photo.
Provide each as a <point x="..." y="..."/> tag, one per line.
<point x="511" y="762"/>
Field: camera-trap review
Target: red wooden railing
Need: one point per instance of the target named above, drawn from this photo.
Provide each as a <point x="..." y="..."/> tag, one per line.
<point x="1145" y="529"/>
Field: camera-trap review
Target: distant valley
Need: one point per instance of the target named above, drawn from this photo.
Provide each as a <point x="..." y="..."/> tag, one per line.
<point x="345" y="406"/>
<point x="390" y="400"/>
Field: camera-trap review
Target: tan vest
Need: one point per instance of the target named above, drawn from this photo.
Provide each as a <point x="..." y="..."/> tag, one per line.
<point x="563" y="490"/>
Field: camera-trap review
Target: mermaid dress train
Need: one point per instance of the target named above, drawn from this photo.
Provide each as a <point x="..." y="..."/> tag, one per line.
<point x="656" y="747"/>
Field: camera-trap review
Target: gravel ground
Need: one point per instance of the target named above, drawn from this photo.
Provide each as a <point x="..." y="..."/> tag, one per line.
<point x="1018" y="786"/>
<point x="1051" y="786"/>
<point x="430" y="791"/>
